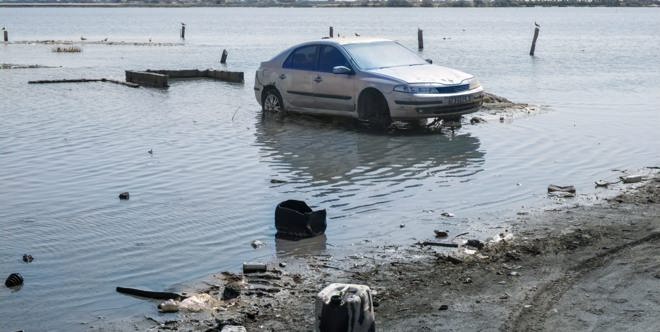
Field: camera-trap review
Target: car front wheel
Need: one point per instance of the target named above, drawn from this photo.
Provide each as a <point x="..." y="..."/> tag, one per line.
<point x="373" y="108"/>
<point x="272" y="101"/>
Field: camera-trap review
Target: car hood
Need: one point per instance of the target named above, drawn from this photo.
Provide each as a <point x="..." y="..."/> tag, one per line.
<point x="423" y="74"/>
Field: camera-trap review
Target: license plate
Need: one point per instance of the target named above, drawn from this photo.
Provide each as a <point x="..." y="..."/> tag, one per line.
<point x="459" y="100"/>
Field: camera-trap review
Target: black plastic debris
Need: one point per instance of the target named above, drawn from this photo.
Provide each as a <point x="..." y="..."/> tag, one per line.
<point x="14" y="279"/>
<point x="296" y="220"/>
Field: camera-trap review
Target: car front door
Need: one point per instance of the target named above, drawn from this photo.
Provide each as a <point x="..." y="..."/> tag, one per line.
<point x="335" y="92"/>
<point x="297" y="78"/>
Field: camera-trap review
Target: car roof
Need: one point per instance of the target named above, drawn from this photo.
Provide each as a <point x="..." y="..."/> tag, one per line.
<point x="346" y="40"/>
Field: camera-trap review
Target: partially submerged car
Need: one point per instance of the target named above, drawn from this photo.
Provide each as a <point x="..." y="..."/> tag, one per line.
<point x="376" y="80"/>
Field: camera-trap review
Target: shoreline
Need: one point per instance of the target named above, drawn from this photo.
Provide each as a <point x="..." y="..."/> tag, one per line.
<point x="307" y="5"/>
<point x="577" y="267"/>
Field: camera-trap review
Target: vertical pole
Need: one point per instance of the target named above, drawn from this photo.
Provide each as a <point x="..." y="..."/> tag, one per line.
<point x="331" y="33"/>
<point x="6" y="33"/>
<point x="183" y="31"/>
<point x="420" y="39"/>
<point x="223" y="59"/>
<point x="536" y="35"/>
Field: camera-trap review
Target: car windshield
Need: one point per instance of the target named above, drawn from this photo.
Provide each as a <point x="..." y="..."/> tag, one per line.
<point x="382" y="55"/>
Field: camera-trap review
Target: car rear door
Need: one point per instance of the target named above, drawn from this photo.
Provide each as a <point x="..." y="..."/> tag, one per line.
<point x="334" y="92"/>
<point x="296" y="82"/>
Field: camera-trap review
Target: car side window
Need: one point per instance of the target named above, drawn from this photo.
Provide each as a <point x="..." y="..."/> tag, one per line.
<point x="330" y="58"/>
<point x="303" y="58"/>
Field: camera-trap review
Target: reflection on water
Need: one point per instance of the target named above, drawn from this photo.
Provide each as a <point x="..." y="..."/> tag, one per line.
<point x="305" y="149"/>
<point x="310" y="246"/>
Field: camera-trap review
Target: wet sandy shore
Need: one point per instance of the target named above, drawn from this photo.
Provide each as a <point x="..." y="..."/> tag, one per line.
<point x="574" y="268"/>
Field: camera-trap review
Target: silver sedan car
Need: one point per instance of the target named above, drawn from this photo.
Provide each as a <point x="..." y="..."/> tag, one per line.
<point x="375" y="80"/>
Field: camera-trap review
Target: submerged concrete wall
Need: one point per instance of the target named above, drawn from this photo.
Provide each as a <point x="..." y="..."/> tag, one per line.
<point x="147" y="78"/>
<point x="227" y="76"/>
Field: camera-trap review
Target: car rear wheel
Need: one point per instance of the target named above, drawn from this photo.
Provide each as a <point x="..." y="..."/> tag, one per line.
<point x="272" y="101"/>
<point x="373" y="108"/>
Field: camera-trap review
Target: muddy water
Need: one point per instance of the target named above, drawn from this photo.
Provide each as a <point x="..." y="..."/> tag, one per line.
<point x="205" y="193"/>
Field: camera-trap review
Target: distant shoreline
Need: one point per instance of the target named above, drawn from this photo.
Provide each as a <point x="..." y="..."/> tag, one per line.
<point x="383" y="4"/>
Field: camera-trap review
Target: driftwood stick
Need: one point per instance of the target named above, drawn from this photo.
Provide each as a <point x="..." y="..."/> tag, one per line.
<point x="86" y="80"/>
<point x="439" y="244"/>
<point x="150" y="294"/>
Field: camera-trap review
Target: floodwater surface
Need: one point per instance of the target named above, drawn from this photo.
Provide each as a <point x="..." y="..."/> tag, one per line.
<point x="68" y="150"/>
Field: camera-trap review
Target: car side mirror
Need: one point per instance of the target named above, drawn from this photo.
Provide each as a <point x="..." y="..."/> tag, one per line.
<point x="429" y="60"/>
<point x="341" y="70"/>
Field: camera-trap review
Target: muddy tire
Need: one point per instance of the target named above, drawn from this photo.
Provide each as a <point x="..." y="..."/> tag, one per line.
<point x="372" y="107"/>
<point x="271" y="101"/>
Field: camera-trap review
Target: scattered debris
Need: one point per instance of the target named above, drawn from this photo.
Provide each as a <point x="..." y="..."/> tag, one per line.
<point x="254" y="268"/>
<point x="151" y="151"/>
<point x="475" y="243"/>
<point x="14" y="280"/>
<point x="402" y="225"/>
<point x="467" y="280"/>
<point x="343" y="305"/>
<point x="150" y="294"/>
<point x="440" y="234"/>
<point x="27" y="258"/>
<point x="232" y="291"/>
<point x="296" y="219"/>
<point x="233" y="328"/>
<point x="438" y="244"/>
<point x="554" y="188"/>
<point x="631" y="178"/>
<point x="476" y="120"/>
<point x="196" y="303"/>
<point x="514" y="273"/>
<point x="282" y="264"/>
<point x="561" y="191"/>
<point x="124" y="196"/>
<point x="257" y="244"/>
<point x="447" y="214"/>
<point x="168" y="306"/>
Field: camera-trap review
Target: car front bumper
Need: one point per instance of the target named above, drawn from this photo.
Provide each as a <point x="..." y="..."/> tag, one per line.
<point x="415" y="106"/>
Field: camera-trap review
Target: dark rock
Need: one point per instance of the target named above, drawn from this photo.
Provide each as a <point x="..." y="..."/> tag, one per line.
<point x="476" y="120"/>
<point x="556" y="188"/>
<point x="28" y="258"/>
<point x="443" y="307"/>
<point x="124" y="195"/>
<point x="14" y="279"/>
<point x="232" y="291"/>
<point x="475" y="243"/>
<point x="440" y="234"/>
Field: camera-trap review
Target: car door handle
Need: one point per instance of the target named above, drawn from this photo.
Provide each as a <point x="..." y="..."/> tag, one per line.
<point x="318" y="79"/>
<point x="282" y="76"/>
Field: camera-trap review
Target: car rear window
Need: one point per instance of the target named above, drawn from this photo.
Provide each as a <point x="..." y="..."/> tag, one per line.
<point x="303" y="58"/>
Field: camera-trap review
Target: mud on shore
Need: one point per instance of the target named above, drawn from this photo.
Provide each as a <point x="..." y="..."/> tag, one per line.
<point x="577" y="268"/>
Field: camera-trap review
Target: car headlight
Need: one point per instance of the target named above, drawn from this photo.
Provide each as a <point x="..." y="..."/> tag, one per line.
<point x="474" y="82"/>
<point x="405" y="88"/>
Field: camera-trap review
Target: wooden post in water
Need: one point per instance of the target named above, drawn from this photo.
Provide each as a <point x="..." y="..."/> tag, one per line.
<point x="183" y="30"/>
<point x="223" y="58"/>
<point x="6" y="33"/>
<point x="536" y="35"/>
<point x="331" y="33"/>
<point x="420" y="39"/>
